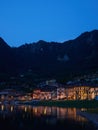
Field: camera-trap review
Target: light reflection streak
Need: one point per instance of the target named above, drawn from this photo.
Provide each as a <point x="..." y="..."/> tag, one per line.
<point x="38" y="111"/>
<point x="12" y="108"/>
<point x="25" y="109"/>
<point x="2" y="107"/>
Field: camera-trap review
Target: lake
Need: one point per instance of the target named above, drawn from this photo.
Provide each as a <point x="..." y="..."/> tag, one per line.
<point x="23" y="117"/>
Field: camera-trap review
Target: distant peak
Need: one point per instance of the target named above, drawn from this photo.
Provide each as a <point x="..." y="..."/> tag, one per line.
<point x="94" y="30"/>
<point x="1" y="39"/>
<point x="3" y="43"/>
<point x="41" y="41"/>
<point x="87" y="34"/>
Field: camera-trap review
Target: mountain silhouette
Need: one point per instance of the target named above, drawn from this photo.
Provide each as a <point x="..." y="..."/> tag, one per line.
<point x="51" y="59"/>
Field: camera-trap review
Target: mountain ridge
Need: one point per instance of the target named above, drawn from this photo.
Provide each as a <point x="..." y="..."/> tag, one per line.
<point x="51" y="59"/>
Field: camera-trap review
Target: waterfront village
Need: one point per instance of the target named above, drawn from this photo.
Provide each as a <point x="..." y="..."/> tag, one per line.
<point x="81" y="88"/>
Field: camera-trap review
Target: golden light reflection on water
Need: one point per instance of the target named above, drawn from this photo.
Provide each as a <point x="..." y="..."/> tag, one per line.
<point x="45" y="111"/>
<point x="25" y="109"/>
<point x="38" y="111"/>
<point x="12" y="108"/>
<point x="2" y="107"/>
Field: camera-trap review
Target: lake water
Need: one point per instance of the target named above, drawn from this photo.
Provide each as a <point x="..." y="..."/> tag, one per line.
<point x="42" y="118"/>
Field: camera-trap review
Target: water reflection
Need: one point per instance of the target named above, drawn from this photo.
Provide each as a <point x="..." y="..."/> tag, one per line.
<point x="2" y="107"/>
<point x="58" y="112"/>
<point x="28" y="117"/>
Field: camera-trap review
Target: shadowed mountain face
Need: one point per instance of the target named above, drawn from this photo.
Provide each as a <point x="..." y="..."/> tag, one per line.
<point x="5" y="56"/>
<point x="50" y="59"/>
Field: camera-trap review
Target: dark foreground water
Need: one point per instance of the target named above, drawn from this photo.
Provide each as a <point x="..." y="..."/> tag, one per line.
<point x="42" y="118"/>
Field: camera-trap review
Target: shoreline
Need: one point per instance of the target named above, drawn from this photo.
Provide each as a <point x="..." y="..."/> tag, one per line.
<point x="67" y="103"/>
<point x="90" y="116"/>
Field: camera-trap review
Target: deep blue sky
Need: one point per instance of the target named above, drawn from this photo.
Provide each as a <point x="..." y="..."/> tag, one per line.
<point x="26" y="21"/>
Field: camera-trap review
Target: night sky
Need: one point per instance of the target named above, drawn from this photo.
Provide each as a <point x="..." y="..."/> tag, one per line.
<point x="27" y="21"/>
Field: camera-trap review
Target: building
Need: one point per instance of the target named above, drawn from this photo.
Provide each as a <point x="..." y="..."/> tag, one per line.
<point x="67" y="93"/>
